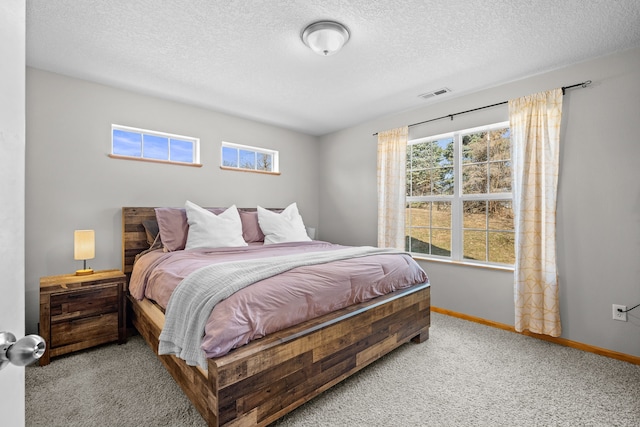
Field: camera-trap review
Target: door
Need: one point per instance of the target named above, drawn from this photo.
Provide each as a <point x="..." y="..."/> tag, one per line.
<point x="12" y="187"/>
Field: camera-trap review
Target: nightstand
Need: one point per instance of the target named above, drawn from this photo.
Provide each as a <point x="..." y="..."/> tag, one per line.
<point x="77" y="312"/>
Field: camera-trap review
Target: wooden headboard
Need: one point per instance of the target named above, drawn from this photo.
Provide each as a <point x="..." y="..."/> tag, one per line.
<point x="134" y="237"/>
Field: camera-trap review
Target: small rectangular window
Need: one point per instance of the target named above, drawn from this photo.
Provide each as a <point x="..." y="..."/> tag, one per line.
<point x="142" y="144"/>
<point x="247" y="158"/>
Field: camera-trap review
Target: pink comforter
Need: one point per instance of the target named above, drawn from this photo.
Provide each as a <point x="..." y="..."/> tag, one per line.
<point x="278" y="302"/>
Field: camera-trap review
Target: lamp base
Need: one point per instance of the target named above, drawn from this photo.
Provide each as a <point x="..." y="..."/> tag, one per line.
<point x="84" y="272"/>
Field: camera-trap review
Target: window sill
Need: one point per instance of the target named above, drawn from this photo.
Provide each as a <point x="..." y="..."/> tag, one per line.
<point x="466" y="264"/>
<point x="227" y="168"/>
<point x="142" y="159"/>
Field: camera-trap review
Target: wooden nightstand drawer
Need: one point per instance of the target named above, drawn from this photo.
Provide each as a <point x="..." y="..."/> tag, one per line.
<point x="100" y="328"/>
<point x="78" y="312"/>
<point x="85" y="303"/>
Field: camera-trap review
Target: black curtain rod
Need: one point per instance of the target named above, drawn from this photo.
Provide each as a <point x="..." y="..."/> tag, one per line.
<point x="564" y="88"/>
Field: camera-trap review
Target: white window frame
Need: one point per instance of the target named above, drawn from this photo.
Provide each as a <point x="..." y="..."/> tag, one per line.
<point x="275" y="161"/>
<point x="195" y="161"/>
<point x="458" y="198"/>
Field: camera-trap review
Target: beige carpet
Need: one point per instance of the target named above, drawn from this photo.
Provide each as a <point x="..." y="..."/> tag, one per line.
<point x="465" y="375"/>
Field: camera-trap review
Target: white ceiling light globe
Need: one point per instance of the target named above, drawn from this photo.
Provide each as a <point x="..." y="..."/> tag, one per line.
<point x="325" y="37"/>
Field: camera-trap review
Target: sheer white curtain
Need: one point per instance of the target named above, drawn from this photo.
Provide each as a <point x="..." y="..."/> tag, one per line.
<point x="535" y="138"/>
<point x="392" y="157"/>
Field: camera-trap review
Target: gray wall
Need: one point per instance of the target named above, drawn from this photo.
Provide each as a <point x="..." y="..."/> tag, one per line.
<point x="71" y="183"/>
<point x="598" y="209"/>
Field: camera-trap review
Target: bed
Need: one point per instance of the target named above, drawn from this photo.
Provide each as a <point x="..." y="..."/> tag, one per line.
<point x="257" y="383"/>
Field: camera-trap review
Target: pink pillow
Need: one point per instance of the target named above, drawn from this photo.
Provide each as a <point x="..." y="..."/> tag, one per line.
<point x="173" y="226"/>
<point x="251" y="231"/>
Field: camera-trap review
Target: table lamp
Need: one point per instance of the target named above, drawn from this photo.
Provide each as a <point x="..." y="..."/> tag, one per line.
<point x="84" y="248"/>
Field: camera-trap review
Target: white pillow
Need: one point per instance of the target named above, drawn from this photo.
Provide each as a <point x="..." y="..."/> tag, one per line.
<point x="286" y="226"/>
<point x="208" y="230"/>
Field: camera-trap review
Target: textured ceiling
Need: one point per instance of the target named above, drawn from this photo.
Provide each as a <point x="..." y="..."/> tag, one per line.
<point x="246" y="57"/>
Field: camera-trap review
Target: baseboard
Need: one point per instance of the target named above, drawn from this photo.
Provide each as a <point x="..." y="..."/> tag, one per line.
<point x="562" y="341"/>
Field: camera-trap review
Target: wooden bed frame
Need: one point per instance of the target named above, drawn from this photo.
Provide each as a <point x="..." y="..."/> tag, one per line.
<point x="260" y="382"/>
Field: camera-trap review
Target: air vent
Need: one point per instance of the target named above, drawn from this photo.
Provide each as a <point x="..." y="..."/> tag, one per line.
<point x="431" y="94"/>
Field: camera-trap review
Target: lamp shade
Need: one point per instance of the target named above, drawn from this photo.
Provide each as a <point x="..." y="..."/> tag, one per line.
<point x="325" y="37"/>
<point x="84" y="246"/>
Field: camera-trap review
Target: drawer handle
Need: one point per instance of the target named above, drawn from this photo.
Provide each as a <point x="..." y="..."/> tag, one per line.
<point x="83" y="294"/>
<point x="86" y="319"/>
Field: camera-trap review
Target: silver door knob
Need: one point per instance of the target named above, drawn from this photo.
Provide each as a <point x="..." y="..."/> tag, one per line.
<point x="22" y="352"/>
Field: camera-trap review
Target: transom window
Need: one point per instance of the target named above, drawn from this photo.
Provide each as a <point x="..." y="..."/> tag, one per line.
<point x="459" y="200"/>
<point x="244" y="157"/>
<point x="151" y="145"/>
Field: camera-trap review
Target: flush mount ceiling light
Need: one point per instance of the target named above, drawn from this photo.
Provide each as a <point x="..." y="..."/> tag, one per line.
<point x="325" y="37"/>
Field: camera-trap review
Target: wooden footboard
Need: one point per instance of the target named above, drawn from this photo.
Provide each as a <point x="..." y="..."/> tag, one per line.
<point x="267" y="378"/>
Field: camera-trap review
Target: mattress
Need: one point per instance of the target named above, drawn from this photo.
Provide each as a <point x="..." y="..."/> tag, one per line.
<point x="277" y="302"/>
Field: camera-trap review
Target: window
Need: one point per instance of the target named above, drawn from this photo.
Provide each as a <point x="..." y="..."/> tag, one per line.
<point x="150" y="145"/>
<point x="244" y="157"/>
<point x="459" y="196"/>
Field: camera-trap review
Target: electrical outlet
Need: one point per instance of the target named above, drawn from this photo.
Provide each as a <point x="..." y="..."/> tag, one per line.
<point x="619" y="315"/>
